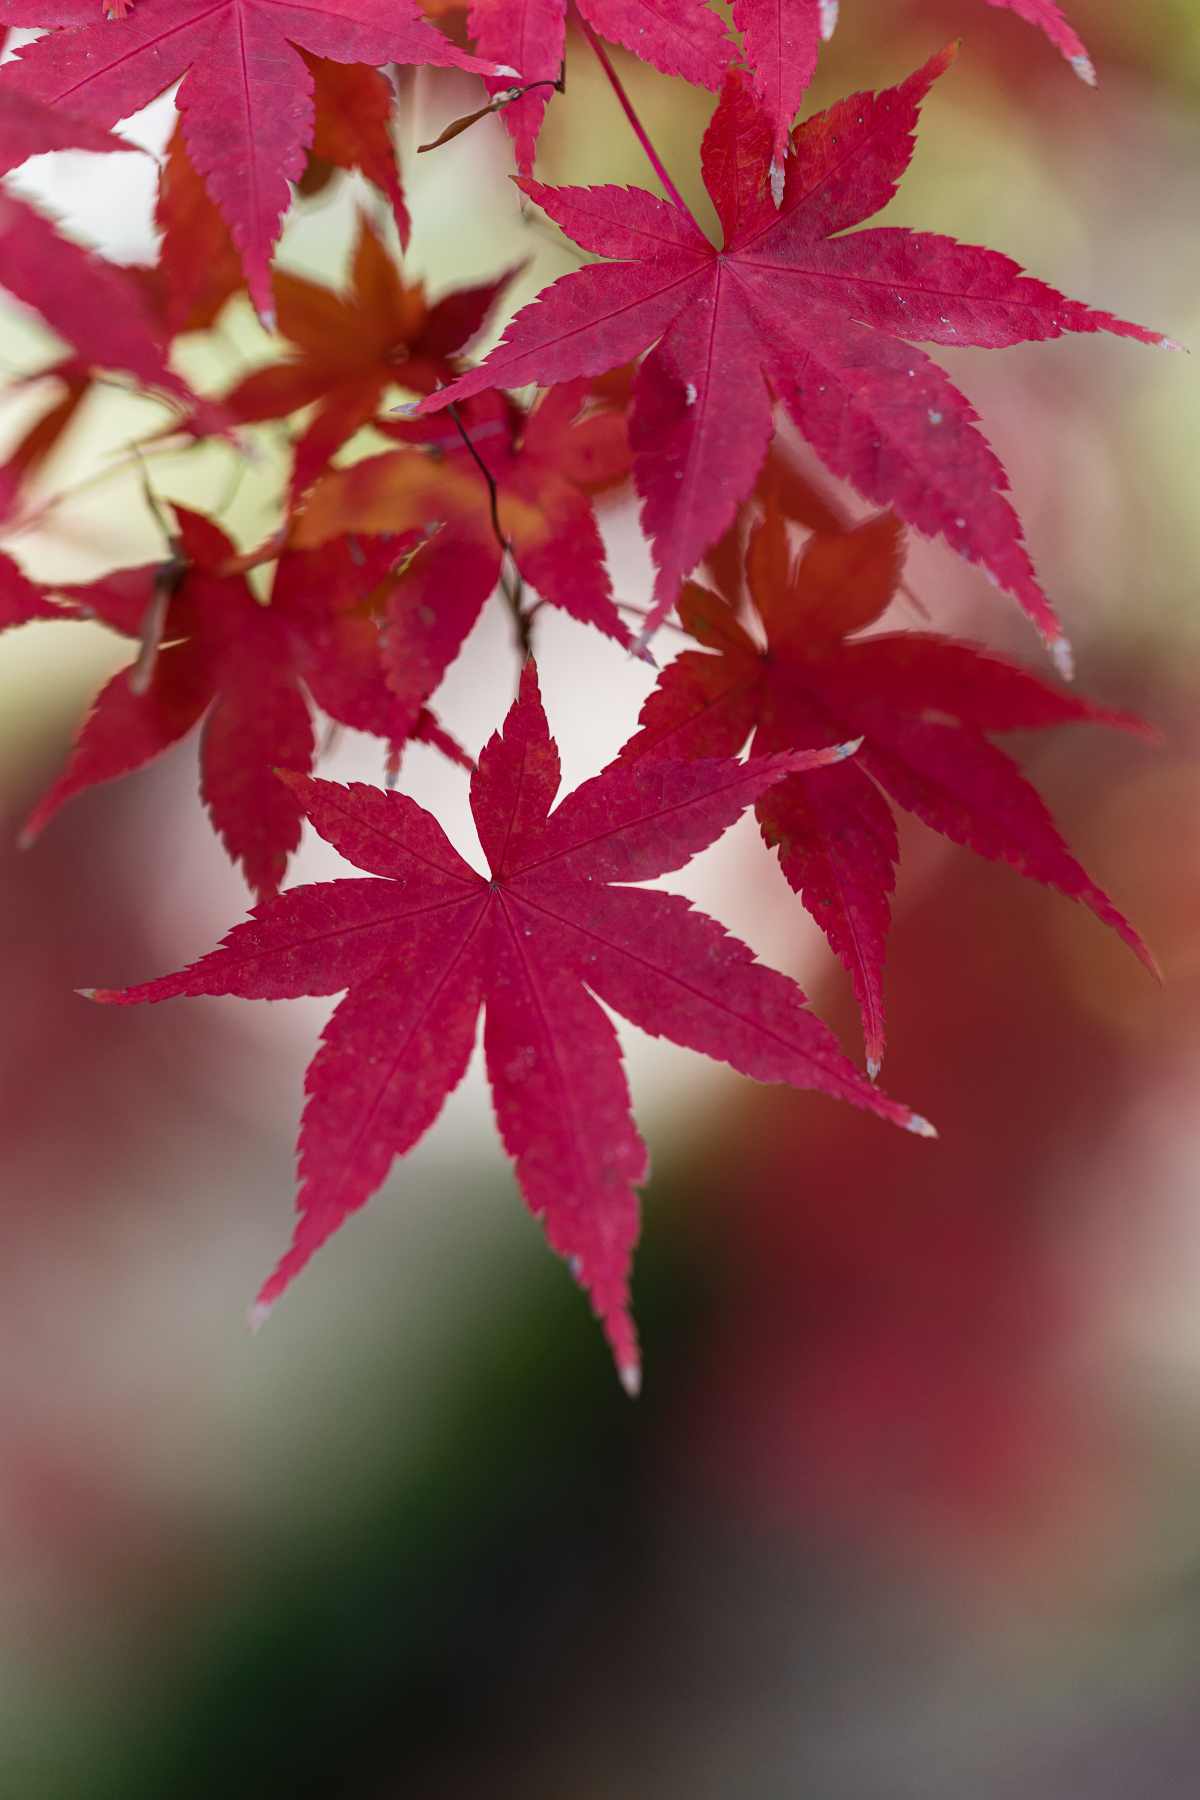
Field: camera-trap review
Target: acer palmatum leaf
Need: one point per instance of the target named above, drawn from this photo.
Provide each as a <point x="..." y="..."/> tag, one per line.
<point x="351" y="348"/>
<point x="798" y="305"/>
<point x="198" y="268"/>
<point x="1050" y="18"/>
<point x="424" y="948"/>
<point x="680" y="37"/>
<point x="781" y="39"/>
<point x="246" y="670"/>
<point x="246" y="95"/>
<point x="922" y="704"/>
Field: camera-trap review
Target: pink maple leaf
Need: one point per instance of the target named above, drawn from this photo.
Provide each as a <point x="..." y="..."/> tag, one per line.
<point x="799" y="306"/>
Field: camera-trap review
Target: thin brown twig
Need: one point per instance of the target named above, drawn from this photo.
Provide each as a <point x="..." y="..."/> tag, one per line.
<point x="512" y="586"/>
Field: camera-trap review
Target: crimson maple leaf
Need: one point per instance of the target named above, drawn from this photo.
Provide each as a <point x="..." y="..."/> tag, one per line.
<point x="27" y="128"/>
<point x="246" y="96"/>
<point x="824" y="322"/>
<point x="781" y="39"/>
<point x="680" y="37"/>
<point x="425" y="947"/>
<point x="210" y="651"/>
<point x="350" y="350"/>
<point x="922" y="705"/>
<point x="540" y="468"/>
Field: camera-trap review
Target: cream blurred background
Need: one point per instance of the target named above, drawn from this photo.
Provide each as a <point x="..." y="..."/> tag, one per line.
<point x="910" y="1503"/>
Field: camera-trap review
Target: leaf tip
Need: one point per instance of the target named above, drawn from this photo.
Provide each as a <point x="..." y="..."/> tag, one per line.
<point x="920" y="1127"/>
<point x="630" y="1377"/>
<point x="849" y="748"/>
<point x="1085" y="68"/>
<point x="641" y="646"/>
<point x="777" y="181"/>
<point x="258" y="1314"/>
<point x="874" y="1064"/>
<point x="829" y="18"/>
<point x="100" y="995"/>
<point x="1062" y="656"/>
<point x="268" y="319"/>
<point x="27" y="836"/>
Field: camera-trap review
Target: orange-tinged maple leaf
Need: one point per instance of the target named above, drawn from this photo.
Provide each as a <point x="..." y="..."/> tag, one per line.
<point x="351" y="348"/>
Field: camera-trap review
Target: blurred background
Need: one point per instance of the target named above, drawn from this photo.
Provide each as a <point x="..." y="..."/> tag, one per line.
<point x="910" y="1505"/>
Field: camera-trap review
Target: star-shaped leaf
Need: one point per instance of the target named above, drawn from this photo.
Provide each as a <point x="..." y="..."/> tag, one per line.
<point x="553" y="929"/>
<point x="923" y="705"/>
<point x="796" y="305"/>
<point x="350" y="349"/>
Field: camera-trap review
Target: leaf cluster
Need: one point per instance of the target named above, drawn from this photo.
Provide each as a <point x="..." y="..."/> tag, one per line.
<point x="714" y="378"/>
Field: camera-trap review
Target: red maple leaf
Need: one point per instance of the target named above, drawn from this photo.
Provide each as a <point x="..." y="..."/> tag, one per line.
<point x="786" y="308"/>
<point x="246" y="97"/>
<point x="351" y="349"/>
<point x="1050" y="18"/>
<point x="70" y="384"/>
<point x="92" y="304"/>
<point x="210" y="651"/>
<point x="354" y="106"/>
<point x="20" y="599"/>
<point x="781" y="39"/>
<point x="680" y="37"/>
<point x="198" y="268"/>
<point x="922" y="705"/>
<point x="28" y="128"/>
<point x="780" y="42"/>
<point x="95" y="306"/>
<point x="541" y="467"/>
<point x="423" y="949"/>
<point x="145" y="308"/>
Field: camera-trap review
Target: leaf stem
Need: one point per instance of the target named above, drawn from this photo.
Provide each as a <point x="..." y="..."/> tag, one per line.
<point x="639" y="130"/>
